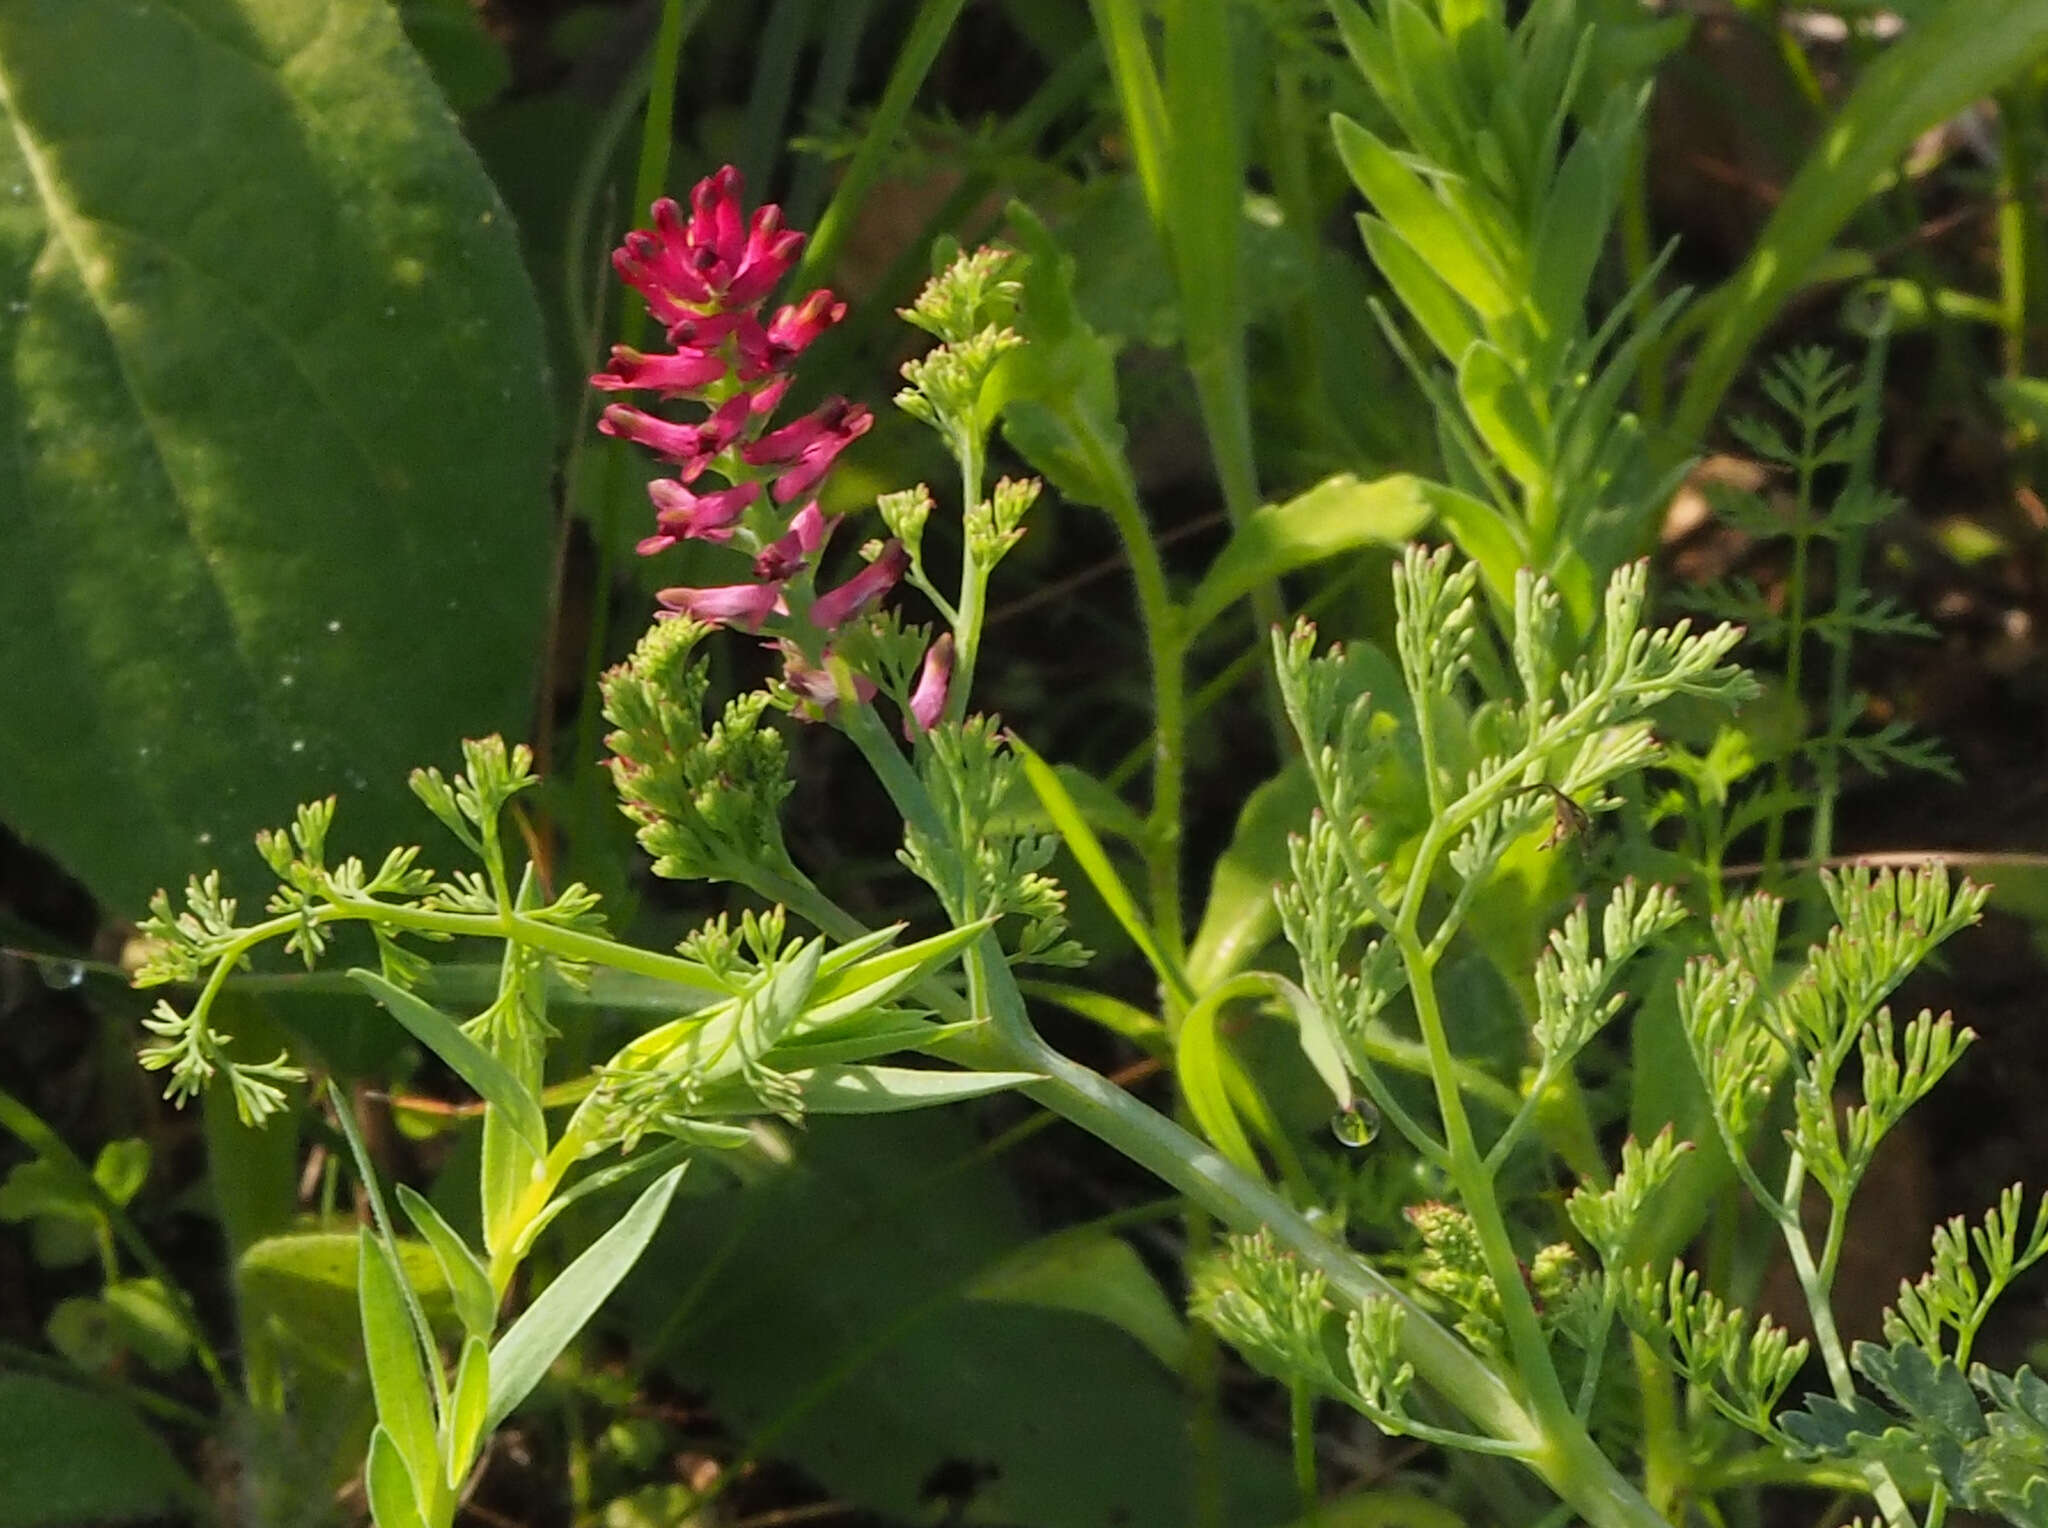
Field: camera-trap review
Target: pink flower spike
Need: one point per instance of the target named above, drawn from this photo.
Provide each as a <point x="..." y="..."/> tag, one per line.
<point x="787" y="335"/>
<point x="714" y="232"/>
<point x="682" y="515"/>
<point x="687" y="371"/>
<point x="928" y="700"/>
<point x="761" y="401"/>
<point x="808" y="530"/>
<point x="808" y="446"/>
<point x="705" y="331"/>
<point x="682" y="443"/>
<point x="814" y="684"/>
<point x="831" y="611"/>
<point x="771" y="250"/>
<point x="689" y="446"/>
<point x="743" y="605"/>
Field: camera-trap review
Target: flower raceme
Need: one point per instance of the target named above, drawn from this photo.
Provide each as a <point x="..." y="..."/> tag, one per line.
<point x="706" y="278"/>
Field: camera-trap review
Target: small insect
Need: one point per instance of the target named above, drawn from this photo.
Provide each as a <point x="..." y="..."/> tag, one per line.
<point x="1571" y="819"/>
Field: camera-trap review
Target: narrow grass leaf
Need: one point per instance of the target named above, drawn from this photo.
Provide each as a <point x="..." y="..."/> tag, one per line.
<point x="391" y="1348"/>
<point x="468" y="1283"/>
<point x="491" y="1078"/>
<point x="468" y="1407"/>
<point x="394" y="1500"/>
<point x="1089" y="854"/>
<point x="1960" y="53"/>
<point x="892" y="1089"/>
<point x="538" y="1337"/>
<point x="1199" y="1066"/>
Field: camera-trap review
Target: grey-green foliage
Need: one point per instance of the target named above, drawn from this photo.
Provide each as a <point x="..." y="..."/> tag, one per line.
<point x="1505" y="741"/>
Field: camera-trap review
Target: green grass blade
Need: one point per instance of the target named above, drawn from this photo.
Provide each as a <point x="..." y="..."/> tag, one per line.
<point x="1966" y="50"/>
<point x="538" y="1337"/>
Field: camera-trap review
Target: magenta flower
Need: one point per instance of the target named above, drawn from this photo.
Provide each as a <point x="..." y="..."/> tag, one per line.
<point x="934" y="676"/>
<point x="787" y="335"/>
<point x="814" y="684"/>
<point x="689" y="446"/>
<point x="808" y="446"/>
<point x="742" y="605"/>
<point x="809" y="529"/>
<point x="711" y="259"/>
<point x="687" y="371"/>
<point x="681" y="515"/>
<point x="831" y="611"/>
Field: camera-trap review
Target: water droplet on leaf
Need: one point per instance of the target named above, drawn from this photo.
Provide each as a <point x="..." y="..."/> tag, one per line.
<point x="1356" y="1126"/>
<point x="61" y="975"/>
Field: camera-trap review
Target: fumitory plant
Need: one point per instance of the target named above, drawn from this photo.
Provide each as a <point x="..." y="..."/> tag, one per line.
<point x="1452" y="792"/>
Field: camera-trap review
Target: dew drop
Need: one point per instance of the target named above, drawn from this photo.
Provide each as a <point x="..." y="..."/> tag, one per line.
<point x="1356" y="1126"/>
<point x="334" y="626"/>
<point x="298" y="745"/>
<point x="288" y="680"/>
<point x="204" y="839"/>
<point x="61" y="975"/>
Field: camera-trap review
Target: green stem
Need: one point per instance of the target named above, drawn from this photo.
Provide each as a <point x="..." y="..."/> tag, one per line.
<point x="1814" y="1285"/>
<point x="2019" y="254"/>
<point x="1166" y="654"/>
<point x="1849" y="548"/>
<point x="914" y="61"/>
<point x="1301" y="1418"/>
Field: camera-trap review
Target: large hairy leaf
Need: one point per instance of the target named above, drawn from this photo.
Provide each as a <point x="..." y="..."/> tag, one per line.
<point x="273" y="430"/>
<point x="841" y="1315"/>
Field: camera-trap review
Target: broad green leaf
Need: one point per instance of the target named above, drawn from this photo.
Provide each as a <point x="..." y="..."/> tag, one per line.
<point x="394" y="1497"/>
<point x="273" y="431"/>
<point x="121" y="1168"/>
<point x="1057" y="392"/>
<point x="1430" y="228"/>
<point x="1240" y="917"/>
<point x="834" y="1313"/>
<point x="71" y="1455"/>
<point x="468" y="1405"/>
<point x="468" y="63"/>
<point x="468" y="1283"/>
<point x="548" y="1325"/>
<point x="1094" y="1273"/>
<point x="149" y="1323"/>
<point x="1093" y="859"/>
<point x="301" y="1289"/>
<point x="391" y="1346"/>
<point x="1498" y="405"/>
<point x="492" y="1080"/>
<point x="1339" y="514"/>
<point x="1959" y="54"/>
